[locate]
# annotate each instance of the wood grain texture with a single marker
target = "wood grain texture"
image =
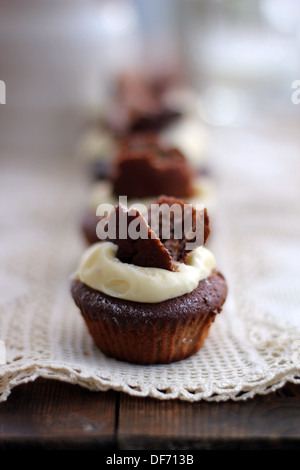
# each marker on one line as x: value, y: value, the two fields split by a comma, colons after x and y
x: 265, y: 422
x: 48, y: 415
x: 51, y: 415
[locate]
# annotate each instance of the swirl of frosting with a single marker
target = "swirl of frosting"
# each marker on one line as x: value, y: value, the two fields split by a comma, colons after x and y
x: 100, y: 269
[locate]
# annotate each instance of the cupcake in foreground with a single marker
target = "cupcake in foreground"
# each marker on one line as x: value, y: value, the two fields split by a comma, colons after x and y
x: 149, y: 289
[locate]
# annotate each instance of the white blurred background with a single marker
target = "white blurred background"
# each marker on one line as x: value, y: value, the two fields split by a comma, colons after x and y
x: 57, y: 57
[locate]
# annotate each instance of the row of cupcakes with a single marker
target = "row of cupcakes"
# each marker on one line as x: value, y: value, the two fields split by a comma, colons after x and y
x: 147, y: 298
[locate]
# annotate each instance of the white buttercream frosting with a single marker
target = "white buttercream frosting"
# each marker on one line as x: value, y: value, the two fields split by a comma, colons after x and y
x: 101, y: 270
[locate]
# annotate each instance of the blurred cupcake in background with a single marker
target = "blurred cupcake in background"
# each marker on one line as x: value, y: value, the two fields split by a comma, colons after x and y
x: 141, y: 103
x: 145, y: 167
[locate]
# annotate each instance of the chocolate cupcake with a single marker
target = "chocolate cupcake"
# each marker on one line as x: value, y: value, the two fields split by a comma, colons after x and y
x: 140, y: 102
x: 150, y: 299
x: 142, y: 169
x: 139, y: 105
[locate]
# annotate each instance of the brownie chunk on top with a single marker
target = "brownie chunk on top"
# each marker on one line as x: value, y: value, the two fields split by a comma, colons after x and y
x: 141, y: 241
x: 145, y: 168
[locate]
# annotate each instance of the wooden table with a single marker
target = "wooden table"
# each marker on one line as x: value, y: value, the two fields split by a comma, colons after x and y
x: 52, y: 415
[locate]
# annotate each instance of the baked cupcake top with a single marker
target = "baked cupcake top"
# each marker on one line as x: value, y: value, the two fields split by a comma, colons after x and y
x: 149, y: 257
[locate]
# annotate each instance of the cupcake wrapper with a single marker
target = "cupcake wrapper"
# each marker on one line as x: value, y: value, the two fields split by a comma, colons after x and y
x: 164, y: 342
x: 145, y: 333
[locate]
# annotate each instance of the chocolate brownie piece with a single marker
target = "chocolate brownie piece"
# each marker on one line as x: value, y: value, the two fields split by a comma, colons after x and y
x: 144, y: 168
x: 185, y: 220
x: 146, y: 250
x: 142, y: 244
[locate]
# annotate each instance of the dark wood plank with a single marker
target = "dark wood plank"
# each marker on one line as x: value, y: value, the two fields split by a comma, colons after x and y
x: 265, y: 422
x: 52, y: 415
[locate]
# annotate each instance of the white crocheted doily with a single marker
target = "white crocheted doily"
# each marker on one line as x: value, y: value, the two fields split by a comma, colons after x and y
x: 253, y: 346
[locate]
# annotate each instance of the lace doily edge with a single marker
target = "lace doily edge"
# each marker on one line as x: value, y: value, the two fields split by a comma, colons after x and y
x: 239, y: 392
